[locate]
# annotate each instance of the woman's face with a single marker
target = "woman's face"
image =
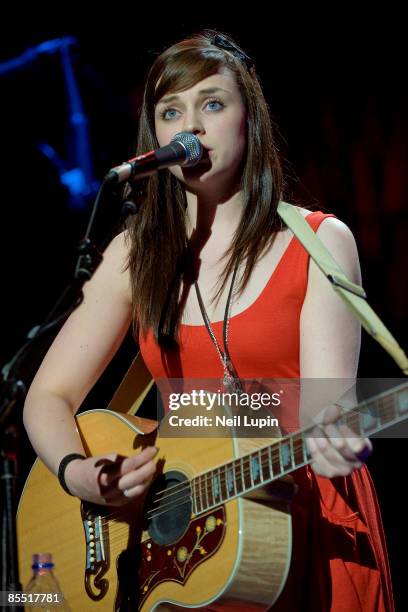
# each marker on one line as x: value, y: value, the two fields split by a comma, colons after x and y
x: 214, y: 111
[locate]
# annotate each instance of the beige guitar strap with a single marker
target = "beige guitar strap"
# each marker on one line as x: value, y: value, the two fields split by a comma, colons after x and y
x: 138, y: 381
x: 352, y: 294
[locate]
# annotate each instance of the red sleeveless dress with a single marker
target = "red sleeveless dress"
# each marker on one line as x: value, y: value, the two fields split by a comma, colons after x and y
x: 339, y: 558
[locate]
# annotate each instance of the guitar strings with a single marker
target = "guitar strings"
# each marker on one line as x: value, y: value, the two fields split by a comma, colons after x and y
x: 116, y: 535
x: 173, y: 507
x: 180, y: 487
x: 298, y: 436
x: 173, y: 499
x: 350, y: 418
x: 172, y: 493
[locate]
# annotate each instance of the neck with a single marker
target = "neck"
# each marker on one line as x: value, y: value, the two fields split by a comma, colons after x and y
x: 214, y: 213
x: 213, y: 217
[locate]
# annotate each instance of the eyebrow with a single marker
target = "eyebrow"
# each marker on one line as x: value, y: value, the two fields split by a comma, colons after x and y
x: 208, y: 90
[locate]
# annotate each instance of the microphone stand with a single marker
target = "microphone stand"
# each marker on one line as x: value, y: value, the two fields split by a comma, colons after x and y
x: 13, y: 388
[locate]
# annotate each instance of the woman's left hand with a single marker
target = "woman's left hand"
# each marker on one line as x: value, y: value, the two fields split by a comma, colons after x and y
x: 341, y: 451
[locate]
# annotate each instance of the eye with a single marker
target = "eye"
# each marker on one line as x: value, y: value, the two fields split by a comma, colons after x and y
x: 168, y: 113
x: 218, y: 103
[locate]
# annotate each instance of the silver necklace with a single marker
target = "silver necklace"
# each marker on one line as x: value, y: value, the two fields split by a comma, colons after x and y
x: 230, y: 380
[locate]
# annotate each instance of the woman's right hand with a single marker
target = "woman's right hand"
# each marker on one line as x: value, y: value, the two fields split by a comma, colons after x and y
x: 105, y: 479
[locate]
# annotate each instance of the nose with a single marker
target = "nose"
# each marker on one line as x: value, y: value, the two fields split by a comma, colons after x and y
x: 193, y: 123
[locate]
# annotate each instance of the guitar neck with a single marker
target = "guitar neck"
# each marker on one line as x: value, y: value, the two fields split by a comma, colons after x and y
x: 271, y: 462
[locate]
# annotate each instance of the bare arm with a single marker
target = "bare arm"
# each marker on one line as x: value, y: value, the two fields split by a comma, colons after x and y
x: 76, y: 359
x: 329, y: 349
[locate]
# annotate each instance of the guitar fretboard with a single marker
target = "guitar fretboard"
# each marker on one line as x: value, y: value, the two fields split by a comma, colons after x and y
x: 270, y: 463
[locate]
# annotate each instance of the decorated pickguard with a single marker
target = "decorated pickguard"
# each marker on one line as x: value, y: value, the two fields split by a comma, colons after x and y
x: 177, y: 561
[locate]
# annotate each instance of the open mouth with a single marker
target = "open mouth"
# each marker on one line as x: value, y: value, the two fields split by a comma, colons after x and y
x: 203, y: 164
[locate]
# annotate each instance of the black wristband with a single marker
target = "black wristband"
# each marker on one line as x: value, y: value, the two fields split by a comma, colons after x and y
x: 61, y: 470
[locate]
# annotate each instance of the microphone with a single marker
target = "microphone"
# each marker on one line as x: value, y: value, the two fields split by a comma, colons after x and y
x: 184, y: 149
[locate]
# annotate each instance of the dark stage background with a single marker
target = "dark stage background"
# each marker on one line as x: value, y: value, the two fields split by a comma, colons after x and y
x: 335, y: 86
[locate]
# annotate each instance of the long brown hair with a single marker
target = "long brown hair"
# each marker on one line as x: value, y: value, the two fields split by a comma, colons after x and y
x: 157, y: 234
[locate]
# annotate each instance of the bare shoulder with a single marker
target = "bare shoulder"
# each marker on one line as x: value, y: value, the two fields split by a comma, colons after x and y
x: 330, y: 226
x: 118, y: 249
x: 335, y: 235
x: 340, y: 241
x: 330, y: 334
x: 113, y: 272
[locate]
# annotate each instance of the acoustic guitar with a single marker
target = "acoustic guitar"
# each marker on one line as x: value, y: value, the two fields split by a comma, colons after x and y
x: 215, y: 525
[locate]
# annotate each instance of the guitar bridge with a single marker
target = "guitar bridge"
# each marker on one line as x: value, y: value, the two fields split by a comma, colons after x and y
x: 97, y: 551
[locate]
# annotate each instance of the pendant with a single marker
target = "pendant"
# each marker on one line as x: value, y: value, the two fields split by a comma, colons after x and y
x: 231, y: 382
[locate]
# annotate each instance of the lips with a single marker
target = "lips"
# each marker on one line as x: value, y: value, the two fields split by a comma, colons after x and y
x: 203, y: 165
x: 205, y: 155
x: 205, y: 158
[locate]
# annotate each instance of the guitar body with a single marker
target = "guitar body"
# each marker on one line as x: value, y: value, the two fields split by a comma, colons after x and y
x: 127, y: 558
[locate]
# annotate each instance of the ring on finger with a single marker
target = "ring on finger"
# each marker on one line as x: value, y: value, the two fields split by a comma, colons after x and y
x: 126, y: 493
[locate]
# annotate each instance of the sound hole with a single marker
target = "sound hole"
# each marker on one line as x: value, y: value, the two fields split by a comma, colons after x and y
x: 169, y: 508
